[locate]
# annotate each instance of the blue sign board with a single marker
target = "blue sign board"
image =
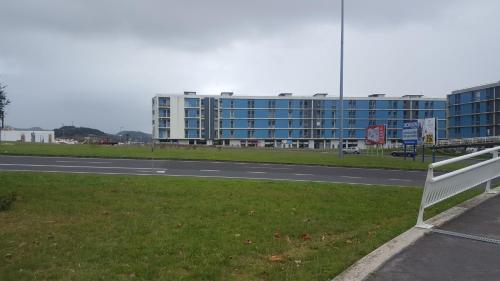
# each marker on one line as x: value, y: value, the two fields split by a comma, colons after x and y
x: 410, y: 133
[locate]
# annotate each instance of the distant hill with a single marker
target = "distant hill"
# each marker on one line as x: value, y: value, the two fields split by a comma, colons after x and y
x: 79, y: 133
x: 82, y: 133
x: 134, y: 136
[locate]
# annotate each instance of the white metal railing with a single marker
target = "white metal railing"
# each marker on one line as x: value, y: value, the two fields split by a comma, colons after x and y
x: 444, y: 186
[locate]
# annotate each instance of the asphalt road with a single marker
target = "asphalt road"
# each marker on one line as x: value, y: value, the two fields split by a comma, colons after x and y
x: 439, y: 256
x: 213, y: 169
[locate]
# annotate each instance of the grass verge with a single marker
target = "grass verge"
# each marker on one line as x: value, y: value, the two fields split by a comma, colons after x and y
x: 89, y: 227
x: 309, y: 157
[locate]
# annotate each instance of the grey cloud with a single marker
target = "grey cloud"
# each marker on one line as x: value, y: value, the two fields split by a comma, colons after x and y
x: 98, y: 63
x: 200, y: 24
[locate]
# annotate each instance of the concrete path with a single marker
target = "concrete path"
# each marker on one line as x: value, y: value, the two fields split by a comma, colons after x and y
x: 438, y: 256
x: 213, y: 169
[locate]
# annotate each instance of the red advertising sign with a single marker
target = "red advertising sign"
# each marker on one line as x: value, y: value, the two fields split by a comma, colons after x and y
x: 375, y: 134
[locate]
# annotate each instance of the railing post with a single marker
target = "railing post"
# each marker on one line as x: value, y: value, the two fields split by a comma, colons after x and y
x: 420, y: 219
x: 488, y: 183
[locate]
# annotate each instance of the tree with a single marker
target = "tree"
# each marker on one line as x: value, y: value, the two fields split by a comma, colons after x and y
x: 4, y: 101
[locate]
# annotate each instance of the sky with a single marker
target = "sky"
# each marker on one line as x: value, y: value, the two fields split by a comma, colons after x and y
x: 98, y: 63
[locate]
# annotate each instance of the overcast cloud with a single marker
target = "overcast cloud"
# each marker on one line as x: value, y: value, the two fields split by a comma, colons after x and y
x: 98, y: 63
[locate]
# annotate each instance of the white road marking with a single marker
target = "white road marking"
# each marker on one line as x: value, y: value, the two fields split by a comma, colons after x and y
x: 161, y: 172
x: 67, y: 166
x: 209, y: 170
x: 268, y: 168
x: 253, y: 172
x: 303, y: 174
x: 86, y: 162
x: 195, y: 176
x: 350, y: 177
x: 400, y: 180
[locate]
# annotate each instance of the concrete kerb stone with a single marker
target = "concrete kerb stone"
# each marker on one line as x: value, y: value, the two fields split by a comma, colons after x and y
x: 362, y: 269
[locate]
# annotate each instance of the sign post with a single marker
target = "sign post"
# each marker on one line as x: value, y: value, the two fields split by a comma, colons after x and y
x: 376, y: 135
x: 428, y: 133
x: 410, y: 135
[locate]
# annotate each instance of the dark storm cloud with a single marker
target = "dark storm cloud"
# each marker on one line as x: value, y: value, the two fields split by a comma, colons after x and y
x: 98, y: 63
x: 201, y: 24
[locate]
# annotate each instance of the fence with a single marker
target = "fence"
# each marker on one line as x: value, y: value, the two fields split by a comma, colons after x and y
x: 444, y: 186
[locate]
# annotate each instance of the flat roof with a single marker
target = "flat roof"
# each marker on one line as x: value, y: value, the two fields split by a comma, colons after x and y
x: 311, y: 97
x: 476, y: 88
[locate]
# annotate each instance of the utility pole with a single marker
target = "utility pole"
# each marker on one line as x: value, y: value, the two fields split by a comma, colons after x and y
x: 341, y: 118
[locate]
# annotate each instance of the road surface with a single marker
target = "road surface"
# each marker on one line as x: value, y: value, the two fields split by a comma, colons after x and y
x: 213, y: 169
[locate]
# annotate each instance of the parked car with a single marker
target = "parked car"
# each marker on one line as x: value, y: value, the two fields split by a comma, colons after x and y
x: 402, y: 154
x: 351, y: 150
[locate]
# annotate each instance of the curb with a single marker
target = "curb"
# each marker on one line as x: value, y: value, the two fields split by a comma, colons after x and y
x: 364, y: 267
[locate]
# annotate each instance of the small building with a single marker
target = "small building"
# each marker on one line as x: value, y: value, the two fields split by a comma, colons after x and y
x: 27, y: 136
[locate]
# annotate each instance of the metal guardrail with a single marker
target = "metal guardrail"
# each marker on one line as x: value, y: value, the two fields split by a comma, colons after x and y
x: 444, y: 186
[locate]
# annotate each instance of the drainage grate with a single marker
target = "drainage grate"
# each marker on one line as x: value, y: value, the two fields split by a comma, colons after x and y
x: 466, y: 236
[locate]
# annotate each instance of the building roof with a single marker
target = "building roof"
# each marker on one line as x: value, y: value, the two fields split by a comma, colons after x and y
x: 477, y: 88
x: 321, y: 96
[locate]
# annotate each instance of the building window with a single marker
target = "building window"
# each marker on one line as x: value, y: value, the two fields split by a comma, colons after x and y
x: 270, y: 133
x: 372, y: 104
x: 271, y: 123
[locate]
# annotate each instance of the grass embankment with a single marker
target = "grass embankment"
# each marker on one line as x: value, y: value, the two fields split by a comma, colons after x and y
x: 76, y: 227
x: 310, y: 157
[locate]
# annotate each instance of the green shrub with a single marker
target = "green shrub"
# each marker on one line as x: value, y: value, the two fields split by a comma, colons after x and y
x: 6, y: 201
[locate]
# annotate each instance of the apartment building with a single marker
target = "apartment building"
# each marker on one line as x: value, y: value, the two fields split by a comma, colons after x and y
x: 286, y: 120
x: 474, y: 112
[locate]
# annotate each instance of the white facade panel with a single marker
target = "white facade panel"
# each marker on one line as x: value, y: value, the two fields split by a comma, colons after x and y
x: 177, y: 113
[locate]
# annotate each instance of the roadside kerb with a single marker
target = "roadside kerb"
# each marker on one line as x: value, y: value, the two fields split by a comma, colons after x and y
x: 363, y: 268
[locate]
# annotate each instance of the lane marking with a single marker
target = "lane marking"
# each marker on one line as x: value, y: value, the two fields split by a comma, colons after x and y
x: 350, y: 177
x: 253, y: 172
x: 269, y: 168
x: 304, y: 174
x: 231, y: 162
x: 67, y: 166
x: 87, y: 162
x: 161, y: 172
x: 209, y: 170
x: 400, y: 180
x: 204, y: 176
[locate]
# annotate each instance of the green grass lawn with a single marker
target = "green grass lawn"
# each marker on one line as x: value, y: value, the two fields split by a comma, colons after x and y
x: 89, y: 227
x: 313, y: 157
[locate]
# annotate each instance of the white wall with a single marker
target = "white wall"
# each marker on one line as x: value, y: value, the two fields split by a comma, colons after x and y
x: 39, y: 136
x: 177, y: 117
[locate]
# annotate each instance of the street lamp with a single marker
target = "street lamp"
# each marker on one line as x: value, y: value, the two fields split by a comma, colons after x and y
x: 341, y: 137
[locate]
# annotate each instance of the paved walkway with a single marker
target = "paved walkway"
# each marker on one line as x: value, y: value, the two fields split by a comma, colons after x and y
x: 443, y: 257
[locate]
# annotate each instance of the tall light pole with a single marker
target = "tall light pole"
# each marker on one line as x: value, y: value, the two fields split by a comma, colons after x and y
x: 341, y: 118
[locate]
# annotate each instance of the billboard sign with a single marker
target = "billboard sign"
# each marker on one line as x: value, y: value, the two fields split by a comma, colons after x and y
x: 427, y: 130
x: 375, y: 134
x: 410, y: 133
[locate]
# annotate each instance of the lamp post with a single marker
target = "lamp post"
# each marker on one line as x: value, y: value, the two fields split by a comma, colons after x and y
x: 341, y: 118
